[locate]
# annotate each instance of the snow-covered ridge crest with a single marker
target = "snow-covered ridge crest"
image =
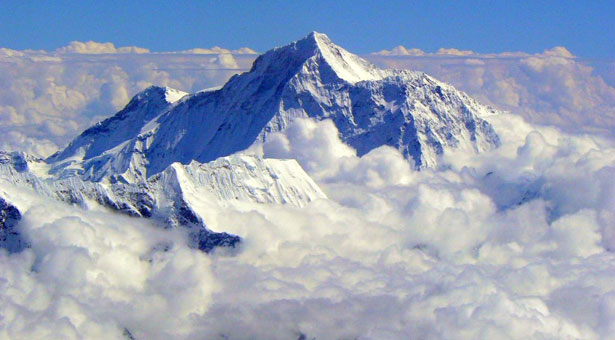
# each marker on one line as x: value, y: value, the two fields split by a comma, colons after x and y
x: 317, y: 51
x: 239, y: 178
x: 173, y: 95
x: 121, y: 127
x: 179, y: 196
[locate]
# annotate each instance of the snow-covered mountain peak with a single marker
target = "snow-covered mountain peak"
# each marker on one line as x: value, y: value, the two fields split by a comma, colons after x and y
x: 158, y: 93
x: 317, y: 52
x: 173, y: 95
x: 346, y: 65
x: 124, y: 125
x: 158, y: 154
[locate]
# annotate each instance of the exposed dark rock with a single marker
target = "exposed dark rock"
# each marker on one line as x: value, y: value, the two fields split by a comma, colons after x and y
x: 128, y: 335
x: 10, y: 239
x: 208, y: 240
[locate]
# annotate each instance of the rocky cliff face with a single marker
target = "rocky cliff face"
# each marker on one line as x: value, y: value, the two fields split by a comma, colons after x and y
x: 10, y: 238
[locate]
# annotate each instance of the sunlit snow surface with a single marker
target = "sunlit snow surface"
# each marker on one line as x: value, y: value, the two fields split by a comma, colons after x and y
x: 511, y: 243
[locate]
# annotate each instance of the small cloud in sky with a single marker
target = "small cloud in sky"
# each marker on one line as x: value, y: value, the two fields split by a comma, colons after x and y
x: 454, y: 52
x: 92, y: 47
x: 219, y: 50
x: 401, y: 50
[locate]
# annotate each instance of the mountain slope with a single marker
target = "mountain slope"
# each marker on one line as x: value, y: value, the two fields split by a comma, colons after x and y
x: 311, y: 77
x: 226, y: 181
x: 123, y: 126
x: 96, y: 148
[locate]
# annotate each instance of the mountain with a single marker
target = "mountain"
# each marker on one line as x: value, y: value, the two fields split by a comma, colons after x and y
x: 171, y: 156
x: 311, y: 77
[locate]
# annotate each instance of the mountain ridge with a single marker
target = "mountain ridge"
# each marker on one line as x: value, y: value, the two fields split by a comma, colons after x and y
x: 169, y: 155
x: 176, y: 197
x: 140, y: 110
x: 314, y: 78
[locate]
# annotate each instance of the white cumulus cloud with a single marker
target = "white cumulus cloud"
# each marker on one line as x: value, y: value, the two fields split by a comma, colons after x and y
x: 93, y: 47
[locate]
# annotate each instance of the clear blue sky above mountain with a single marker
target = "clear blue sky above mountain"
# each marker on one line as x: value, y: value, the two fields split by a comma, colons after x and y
x: 584, y: 27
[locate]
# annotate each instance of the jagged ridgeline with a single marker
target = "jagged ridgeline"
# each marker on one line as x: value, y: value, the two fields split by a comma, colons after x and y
x: 165, y: 141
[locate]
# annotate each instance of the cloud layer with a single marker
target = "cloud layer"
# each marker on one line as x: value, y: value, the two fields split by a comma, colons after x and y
x: 498, y: 246
x: 513, y: 244
x: 94, y: 274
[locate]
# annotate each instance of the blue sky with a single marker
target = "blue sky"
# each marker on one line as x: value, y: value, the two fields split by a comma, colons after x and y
x: 584, y: 27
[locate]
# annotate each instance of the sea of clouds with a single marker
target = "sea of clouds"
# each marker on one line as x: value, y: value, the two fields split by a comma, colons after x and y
x: 516, y: 243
